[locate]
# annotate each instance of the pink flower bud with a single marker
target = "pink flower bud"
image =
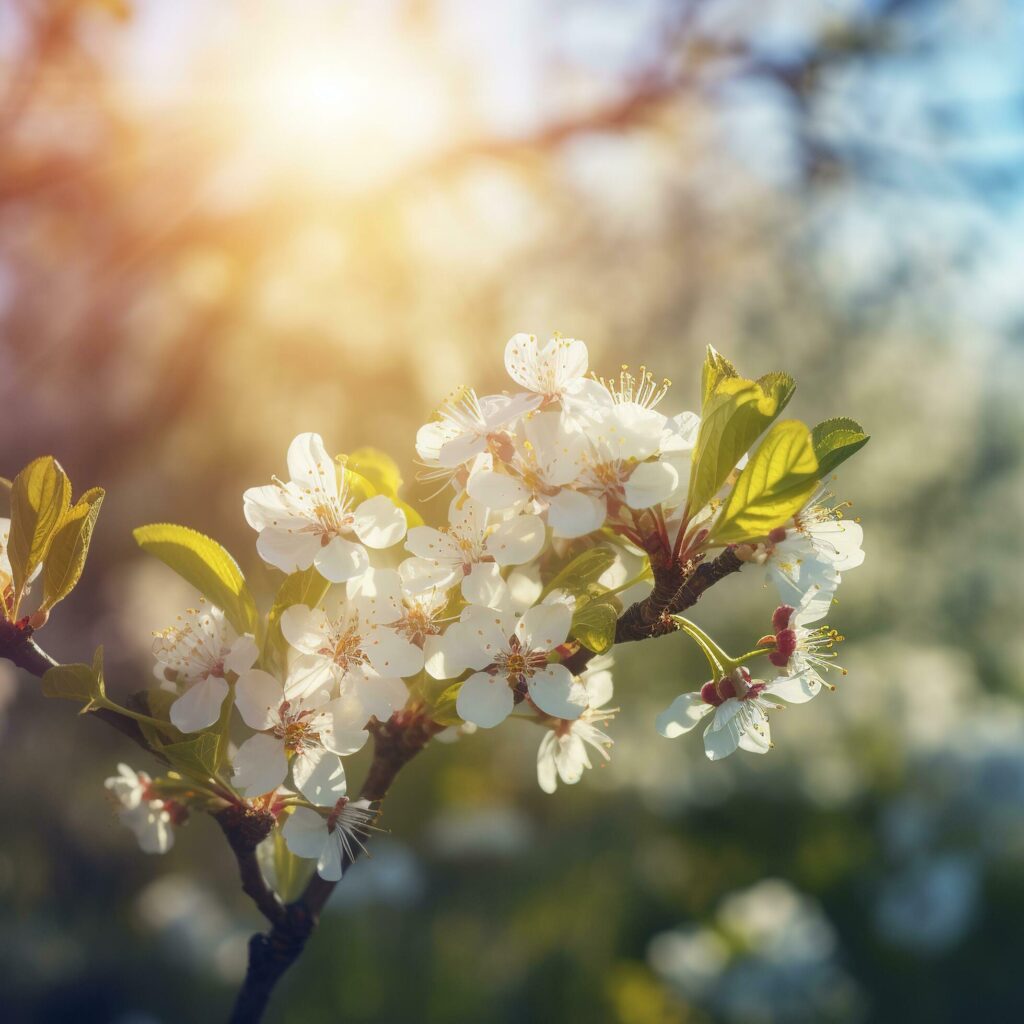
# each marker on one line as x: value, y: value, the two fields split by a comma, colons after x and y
x: 781, y: 617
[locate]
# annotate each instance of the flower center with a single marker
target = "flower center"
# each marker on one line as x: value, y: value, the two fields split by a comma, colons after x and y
x: 345, y: 648
x: 296, y: 730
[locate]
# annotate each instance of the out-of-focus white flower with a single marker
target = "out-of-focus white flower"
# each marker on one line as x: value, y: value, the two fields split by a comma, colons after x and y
x: 332, y: 840
x: 451, y: 555
x: 143, y: 810
x: 200, y: 651
x: 310, y: 519
x: 563, y: 750
x: 738, y: 706
x: 310, y: 729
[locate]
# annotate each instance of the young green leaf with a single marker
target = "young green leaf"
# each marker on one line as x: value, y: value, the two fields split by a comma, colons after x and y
x: 777, y: 482
x: 40, y: 497
x: 378, y: 467
x: 733, y: 419
x: 835, y: 441
x: 594, y: 625
x: 442, y: 707
x: 206, y: 565
x: 196, y: 757
x: 583, y: 571
x: 716, y: 369
x: 69, y: 547
x: 71, y: 682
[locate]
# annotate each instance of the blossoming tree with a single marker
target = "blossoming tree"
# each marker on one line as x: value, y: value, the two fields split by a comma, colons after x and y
x: 581, y: 517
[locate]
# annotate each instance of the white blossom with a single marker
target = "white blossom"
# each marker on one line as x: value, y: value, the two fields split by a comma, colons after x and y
x: 563, y: 750
x: 509, y: 656
x: 199, y: 653
x: 555, y: 373
x: 355, y: 641
x: 147, y: 814
x: 309, y: 729
x: 469, y: 541
x: 738, y: 707
x: 539, y: 475
x: 332, y: 840
x: 465, y: 426
x: 312, y: 518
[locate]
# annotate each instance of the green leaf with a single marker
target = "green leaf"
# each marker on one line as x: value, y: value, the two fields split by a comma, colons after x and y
x: 83, y: 683
x: 40, y: 496
x: 733, y: 418
x: 206, y: 565
x: 378, y: 467
x: 594, y: 625
x: 716, y: 369
x: 442, y: 710
x: 155, y: 704
x: 196, y: 757
x: 69, y: 548
x: 582, y: 572
x: 835, y: 441
x: 71, y: 682
x: 777, y: 482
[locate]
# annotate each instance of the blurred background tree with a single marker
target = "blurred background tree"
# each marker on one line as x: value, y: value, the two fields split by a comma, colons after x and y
x: 224, y: 224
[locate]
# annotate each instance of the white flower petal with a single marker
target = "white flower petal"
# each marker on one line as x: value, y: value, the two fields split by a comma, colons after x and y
x: 340, y: 560
x: 544, y: 626
x: 258, y: 696
x: 393, y: 655
x: 260, y: 765
x: 547, y: 772
x: 682, y: 715
x: 517, y: 540
x: 309, y: 463
x: 304, y: 628
x: 379, y: 522
x: 484, y: 700
x: 199, y: 706
x: 556, y: 691
x: 243, y: 654
x: 484, y: 585
x: 287, y: 549
x: 649, y: 484
x: 305, y: 833
x: 572, y: 514
x: 319, y: 776
x: 382, y: 697
x: 496, y: 490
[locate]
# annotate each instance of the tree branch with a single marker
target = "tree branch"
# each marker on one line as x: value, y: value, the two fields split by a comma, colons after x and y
x: 17, y: 645
x: 676, y: 588
x: 396, y: 743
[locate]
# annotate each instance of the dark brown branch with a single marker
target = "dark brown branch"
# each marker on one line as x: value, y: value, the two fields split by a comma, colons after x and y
x: 17, y: 645
x: 396, y: 742
x: 245, y: 828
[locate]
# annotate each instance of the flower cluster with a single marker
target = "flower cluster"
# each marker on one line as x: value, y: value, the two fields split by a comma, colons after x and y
x: 579, y: 514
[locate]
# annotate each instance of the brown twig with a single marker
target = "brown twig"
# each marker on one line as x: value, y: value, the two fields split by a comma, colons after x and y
x: 396, y: 742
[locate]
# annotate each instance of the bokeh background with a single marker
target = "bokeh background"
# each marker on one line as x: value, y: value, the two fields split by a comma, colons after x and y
x: 221, y: 224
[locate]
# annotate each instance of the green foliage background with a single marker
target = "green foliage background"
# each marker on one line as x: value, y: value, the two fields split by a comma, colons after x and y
x: 837, y: 195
